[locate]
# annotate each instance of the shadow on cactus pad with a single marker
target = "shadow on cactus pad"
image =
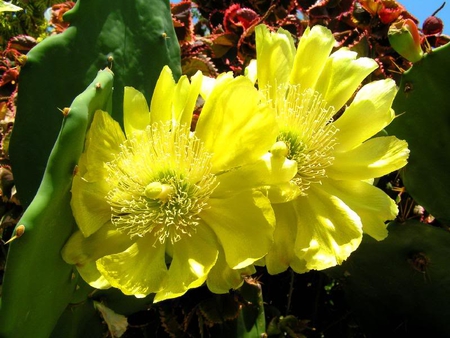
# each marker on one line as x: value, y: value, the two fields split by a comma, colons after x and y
x: 399, y: 287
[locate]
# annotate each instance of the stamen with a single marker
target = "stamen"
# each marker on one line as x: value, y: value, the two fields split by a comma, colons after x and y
x: 163, y: 182
x: 305, y: 122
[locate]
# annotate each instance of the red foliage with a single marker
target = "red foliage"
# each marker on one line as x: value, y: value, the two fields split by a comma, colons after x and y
x: 56, y: 20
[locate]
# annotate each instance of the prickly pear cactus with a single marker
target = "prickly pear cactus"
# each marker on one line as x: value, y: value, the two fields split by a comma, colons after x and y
x: 400, y: 286
x: 38, y: 284
x: 424, y: 106
x: 133, y: 37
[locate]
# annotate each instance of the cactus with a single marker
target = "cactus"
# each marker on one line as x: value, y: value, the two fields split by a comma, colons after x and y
x: 38, y: 284
x: 400, y: 285
x: 423, y: 105
x: 135, y: 38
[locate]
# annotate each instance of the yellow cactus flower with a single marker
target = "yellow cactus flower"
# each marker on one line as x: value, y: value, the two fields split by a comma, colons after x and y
x: 162, y: 209
x: 337, y: 153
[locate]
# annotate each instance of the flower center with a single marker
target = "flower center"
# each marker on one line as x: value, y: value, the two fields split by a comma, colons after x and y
x: 162, y: 182
x: 305, y: 122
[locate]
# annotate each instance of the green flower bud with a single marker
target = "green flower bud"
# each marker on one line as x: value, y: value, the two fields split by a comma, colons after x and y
x: 404, y: 38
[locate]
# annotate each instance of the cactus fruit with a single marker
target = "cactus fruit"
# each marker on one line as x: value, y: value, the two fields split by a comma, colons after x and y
x: 38, y: 284
x: 135, y: 38
x: 422, y: 101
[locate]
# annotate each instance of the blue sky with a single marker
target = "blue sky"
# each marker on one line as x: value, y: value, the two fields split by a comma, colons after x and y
x: 422, y: 9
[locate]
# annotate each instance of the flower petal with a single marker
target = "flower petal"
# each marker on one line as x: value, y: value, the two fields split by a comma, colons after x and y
x: 103, y: 142
x: 369, y: 113
x: 89, y: 206
x: 281, y: 254
x: 184, y: 105
x: 193, y: 258
x: 136, y: 115
x: 275, y: 56
x: 163, y: 96
x: 341, y: 76
x: 243, y: 224
x: 328, y: 231
x: 312, y: 53
x: 92, y: 276
x: 221, y: 278
x: 374, y: 158
x: 81, y: 250
x: 251, y: 71
x: 139, y: 270
x: 269, y: 170
x: 234, y: 125
x: 371, y: 204
x: 209, y: 83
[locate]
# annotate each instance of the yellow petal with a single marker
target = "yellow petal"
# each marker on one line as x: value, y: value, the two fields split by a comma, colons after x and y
x: 193, y: 258
x: 184, y: 111
x: 341, y: 76
x: 269, y: 170
x: 222, y: 279
x: 81, y: 250
x: 89, y: 206
x: 163, y: 96
x: 371, y: 204
x: 243, y: 224
x: 209, y: 83
x: 369, y: 113
x: 251, y: 71
x: 235, y: 126
x: 312, y: 53
x: 92, y: 276
x: 282, y: 253
x: 103, y: 142
x: 328, y: 231
x: 136, y: 115
x: 374, y: 158
x: 275, y: 56
x: 139, y: 270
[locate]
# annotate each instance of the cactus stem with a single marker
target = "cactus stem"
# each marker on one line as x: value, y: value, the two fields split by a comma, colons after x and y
x: 98, y: 86
x: 19, y: 232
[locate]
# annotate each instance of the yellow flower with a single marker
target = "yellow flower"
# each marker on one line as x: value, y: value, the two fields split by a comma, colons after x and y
x: 162, y: 209
x: 337, y: 155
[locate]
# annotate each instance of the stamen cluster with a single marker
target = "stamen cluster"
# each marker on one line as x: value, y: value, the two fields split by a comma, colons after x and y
x: 163, y: 181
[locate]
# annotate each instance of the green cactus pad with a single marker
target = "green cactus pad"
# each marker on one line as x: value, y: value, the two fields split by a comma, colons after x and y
x: 424, y: 122
x: 137, y: 34
x: 399, y: 287
x: 38, y: 284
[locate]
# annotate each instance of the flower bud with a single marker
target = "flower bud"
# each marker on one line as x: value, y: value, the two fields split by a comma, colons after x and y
x: 404, y: 38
